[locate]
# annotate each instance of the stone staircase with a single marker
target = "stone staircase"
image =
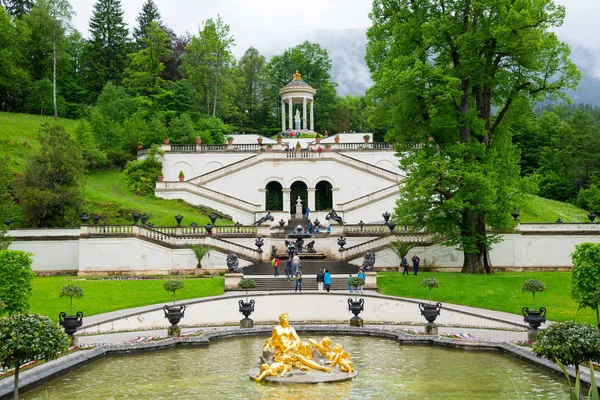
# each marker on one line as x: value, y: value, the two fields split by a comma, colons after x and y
x: 309, y: 267
x: 270, y: 284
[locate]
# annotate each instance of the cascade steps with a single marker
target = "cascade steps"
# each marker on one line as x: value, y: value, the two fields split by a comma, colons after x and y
x: 270, y: 284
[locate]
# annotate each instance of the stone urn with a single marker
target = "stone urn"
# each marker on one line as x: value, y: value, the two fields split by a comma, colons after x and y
x: 174, y: 315
x: 70, y: 322
x: 430, y: 312
x: 534, y: 318
x: 355, y: 307
x: 341, y: 242
x: 246, y: 308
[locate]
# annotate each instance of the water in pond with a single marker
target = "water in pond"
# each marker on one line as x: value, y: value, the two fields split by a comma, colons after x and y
x: 386, y: 370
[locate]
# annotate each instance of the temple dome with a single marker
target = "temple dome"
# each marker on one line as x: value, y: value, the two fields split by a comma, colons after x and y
x: 297, y: 83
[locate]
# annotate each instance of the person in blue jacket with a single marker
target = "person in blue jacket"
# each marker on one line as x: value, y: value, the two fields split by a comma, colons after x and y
x: 327, y: 280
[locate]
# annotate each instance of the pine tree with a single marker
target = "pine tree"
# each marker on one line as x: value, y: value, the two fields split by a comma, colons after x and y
x: 109, y: 45
x: 17, y: 8
x: 148, y: 15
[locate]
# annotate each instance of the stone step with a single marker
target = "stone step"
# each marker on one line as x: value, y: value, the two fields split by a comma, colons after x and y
x: 280, y: 283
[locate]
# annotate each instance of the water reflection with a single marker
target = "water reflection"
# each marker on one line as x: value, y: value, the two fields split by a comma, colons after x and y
x: 385, y: 370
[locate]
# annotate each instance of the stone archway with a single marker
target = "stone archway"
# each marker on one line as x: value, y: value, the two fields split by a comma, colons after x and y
x: 274, y: 196
x: 298, y: 188
x: 323, y: 196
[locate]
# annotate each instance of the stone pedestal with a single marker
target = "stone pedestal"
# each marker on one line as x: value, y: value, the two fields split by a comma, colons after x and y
x: 431, y: 328
x: 246, y: 323
x: 232, y: 279
x: 370, y: 280
x: 356, y: 321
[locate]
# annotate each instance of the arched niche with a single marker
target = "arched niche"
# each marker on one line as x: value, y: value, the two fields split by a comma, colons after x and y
x: 274, y: 196
x: 323, y: 196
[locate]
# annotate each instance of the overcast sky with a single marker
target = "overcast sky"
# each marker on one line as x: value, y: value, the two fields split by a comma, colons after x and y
x: 277, y: 24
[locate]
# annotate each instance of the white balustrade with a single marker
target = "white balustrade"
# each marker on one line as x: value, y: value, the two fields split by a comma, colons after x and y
x: 369, y: 198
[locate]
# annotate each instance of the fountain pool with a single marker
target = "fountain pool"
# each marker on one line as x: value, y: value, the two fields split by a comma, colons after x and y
x: 385, y: 368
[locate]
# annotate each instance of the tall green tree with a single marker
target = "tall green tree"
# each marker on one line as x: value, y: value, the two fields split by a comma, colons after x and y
x: 16, y: 280
x: 13, y: 77
x: 451, y: 73
x: 109, y: 45
x: 143, y: 76
x: 252, y: 90
x: 51, y: 190
x: 313, y: 63
x: 207, y: 60
x: 17, y: 8
x: 60, y: 13
x: 148, y: 15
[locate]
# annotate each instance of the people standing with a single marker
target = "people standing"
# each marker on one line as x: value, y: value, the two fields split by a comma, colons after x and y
x: 404, y: 265
x: 299, y: 280
x: 275, y: 264
x: 310, y: 226
x: 320, y: 276
x: 349, y: 285
x: 288, y: 269
x: 327, y: 280
x: 307, y: 212
x: 361, y: 275
x: 416, y: 260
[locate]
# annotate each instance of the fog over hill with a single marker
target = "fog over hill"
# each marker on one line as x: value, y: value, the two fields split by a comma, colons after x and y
x: 347, y: 50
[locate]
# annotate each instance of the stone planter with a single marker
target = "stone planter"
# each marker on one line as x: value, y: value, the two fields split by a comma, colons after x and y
x: 430, y: 312
x: 161, y: 178
x: 181, y: 178
x: 174, y: 315
x: 166, y: 140
x: 534, y: 318
x: 337, y: 139
x: 246, y: 309
x: 70, y: 322
x: 198, y: 140
x: 355, y: 307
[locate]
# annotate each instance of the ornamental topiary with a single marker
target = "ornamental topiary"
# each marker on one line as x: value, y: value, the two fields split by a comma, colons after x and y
x: 533, y: 286
x: 430, y: 283
x: 246, y: 284
x: 585, y: 276
x: 173, y: 285
x: 71, y: 291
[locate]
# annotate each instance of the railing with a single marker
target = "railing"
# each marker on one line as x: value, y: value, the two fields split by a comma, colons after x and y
x: 361, y: 249
x: 246, y: 147
x: 366, y: 229
x: 233, y: 247
x: 213, y: 147
x: 368, y: 167
x: 369, y: 198
x: 183, y: 147
x: 110, y: 229
x: 202, y: 191
x: 143, y: 151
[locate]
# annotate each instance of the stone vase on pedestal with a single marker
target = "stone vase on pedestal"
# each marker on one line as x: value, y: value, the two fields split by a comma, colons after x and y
x: 534, y: 318
x: 246, y: 308
x: 430, y: 312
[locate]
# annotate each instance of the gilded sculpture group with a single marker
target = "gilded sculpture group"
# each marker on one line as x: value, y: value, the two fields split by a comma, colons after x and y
x: 289, y: 351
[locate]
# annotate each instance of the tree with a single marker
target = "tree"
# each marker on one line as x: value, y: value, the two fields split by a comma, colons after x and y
x: 401, y: 249
x: 143, y: 76
x: 148, y: 15
x: 109, y: 45
x: 60, y: 13
x: 71, y: 291
x: 141, y: 175
x: 173, y: 285
x: 17, y: 8
x: 452, y: 74
x: 585, y: 276
x: 207, y: 59
x: 51, y: 190
x: 25, y: 338
x: 200, y: 251
x: 13, y: 77
x: 252, y: 91
x: 6, y: 182
x: 16, y: 279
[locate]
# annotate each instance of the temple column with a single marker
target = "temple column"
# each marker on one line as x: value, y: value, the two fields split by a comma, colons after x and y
x: 286, y: 199
x: 291, y: 124
x: 311, y: 199
x: 304, y: 113
x: 282, y: 115
x: 312, y: 116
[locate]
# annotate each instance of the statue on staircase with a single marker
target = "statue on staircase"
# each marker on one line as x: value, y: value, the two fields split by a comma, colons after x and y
x: 334, y: 216
x: 369, y: 261
x: 233, y: 264
x: 299, y: 245
x: 267, y: 217
x: 310, y: 247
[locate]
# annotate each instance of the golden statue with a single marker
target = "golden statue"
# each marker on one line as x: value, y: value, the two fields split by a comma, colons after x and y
x: 289, y: 351
x: 324, y: 347
x: 342, y: 359
x: 297, y: 76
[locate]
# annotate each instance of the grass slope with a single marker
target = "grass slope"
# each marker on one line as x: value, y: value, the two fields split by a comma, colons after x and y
x: 20, y: 135
x: 106, y: 194
x: 539, y: 209
x: 500, y: 291
x: 101, y: 296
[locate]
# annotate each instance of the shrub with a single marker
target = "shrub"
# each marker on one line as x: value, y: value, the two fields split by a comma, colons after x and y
x: 71, y: 291
x: 173, y: 285
x: 200, y: 251
x: 585, y: 276
x: 430, y: 283
x: 247, y: 284
x: 16, y: 279
x: 141, y: 175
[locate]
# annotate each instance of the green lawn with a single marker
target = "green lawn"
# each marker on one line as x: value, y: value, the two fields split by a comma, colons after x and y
x: 106, y: 194
x: 101, y: 296
x: 500, y: 291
